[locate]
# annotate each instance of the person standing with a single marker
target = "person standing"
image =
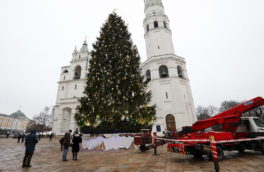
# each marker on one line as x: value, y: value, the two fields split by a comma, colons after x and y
x: 61, y: 142
x: 75, y: 147
x: 23, y: 137
x: 39, y: 136
x: 66, y: 144
x: 7, y: 134
x: 18, y: 137
x: 51, y: 135
x: 30, y: 143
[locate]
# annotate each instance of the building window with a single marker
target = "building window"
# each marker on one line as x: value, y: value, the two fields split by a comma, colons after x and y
x: 77, y: 74
x: 166, y: 95
x: 165, y: 25
x: 147, y: 28
x: 148, y: 75
x: 75, y: 87
x: 158, y: 47
x: 62, y: 88
x: 156, y: 25
x: 66, y: 71
x: 180, y: 73
x: 170, y: 122
x: 163, y: 71
x: 79, y: 56
x: 64, y: 78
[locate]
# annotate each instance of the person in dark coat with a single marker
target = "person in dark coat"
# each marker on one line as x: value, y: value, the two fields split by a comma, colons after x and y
x: 7, y: 134
x: 61, y: 142
x: 51, y: 135
x: 39, y: 136
x: 23, y: 137
x: 75, y: 147
x: 18, y: 138
x: 30, y: 143
x: 66, y: 144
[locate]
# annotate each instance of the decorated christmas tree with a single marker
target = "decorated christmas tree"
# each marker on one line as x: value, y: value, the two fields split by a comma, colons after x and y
x: 115, y: 90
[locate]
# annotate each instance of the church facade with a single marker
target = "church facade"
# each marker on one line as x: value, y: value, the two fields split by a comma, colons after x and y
x: 70, y: 87
x: 167, y: 72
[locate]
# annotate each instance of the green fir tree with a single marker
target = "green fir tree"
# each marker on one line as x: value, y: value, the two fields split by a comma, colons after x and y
x: 115, y: 91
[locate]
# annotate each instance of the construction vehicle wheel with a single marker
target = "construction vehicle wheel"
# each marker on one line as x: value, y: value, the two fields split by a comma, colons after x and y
x: 262, y: 147
x: 198, y: 154
x: 241, y: 150
x: 220, y: 153
x: 142, y: 148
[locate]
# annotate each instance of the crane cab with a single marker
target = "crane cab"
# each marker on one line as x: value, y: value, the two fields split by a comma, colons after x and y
x: 250, y: 124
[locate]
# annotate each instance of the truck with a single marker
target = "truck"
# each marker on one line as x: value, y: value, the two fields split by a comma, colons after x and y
x: 228, y: 129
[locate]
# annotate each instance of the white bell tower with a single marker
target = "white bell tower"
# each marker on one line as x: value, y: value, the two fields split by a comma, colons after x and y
x: 157, y: 30
x: 167, y: 72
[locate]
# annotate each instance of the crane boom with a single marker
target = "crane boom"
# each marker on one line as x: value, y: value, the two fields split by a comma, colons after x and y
x: 229, y: 119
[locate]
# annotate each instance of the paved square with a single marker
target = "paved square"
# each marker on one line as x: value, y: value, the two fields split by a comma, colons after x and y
x: 48, y: 157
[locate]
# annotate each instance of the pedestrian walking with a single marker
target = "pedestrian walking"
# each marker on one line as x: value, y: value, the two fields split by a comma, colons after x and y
x: 39, y: 136
x: 66, y: 144
x: 61, y: 142
x: 18, y: 137
x: 23, y: 137
x: 51, y: 135
x: 76, y: 147
x: 7, y: 134
x: 30, y: 143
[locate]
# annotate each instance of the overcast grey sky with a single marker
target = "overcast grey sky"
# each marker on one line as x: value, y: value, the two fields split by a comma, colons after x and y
x: 221, y: 40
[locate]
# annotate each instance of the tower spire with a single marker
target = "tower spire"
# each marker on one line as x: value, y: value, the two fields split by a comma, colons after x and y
x: 84, y: 47
x: 157, y: 29
x: 149, y: 3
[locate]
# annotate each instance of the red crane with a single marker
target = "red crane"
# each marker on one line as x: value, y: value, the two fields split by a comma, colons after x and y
x: 192, y: 139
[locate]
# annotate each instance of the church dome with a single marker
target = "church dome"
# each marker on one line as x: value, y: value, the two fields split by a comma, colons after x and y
x: 18, y: 114
x: 84, y: 47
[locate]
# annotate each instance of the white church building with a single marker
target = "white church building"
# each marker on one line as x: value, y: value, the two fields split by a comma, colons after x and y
x: 167, y: 72
x: 71, y: 87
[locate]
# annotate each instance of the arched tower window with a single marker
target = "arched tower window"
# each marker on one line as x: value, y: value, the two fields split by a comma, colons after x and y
x: 156, y: 24
x: 148, y: 75
x: 165, y: 25
x: 147, y: 28
x: 77, y: 73
x: 66, y: 71
x: 62, y: 88
x: 163, y: 71
x: 180, y: 73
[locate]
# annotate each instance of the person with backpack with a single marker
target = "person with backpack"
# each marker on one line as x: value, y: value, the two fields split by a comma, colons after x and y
x: 66, y: 144
x: 30, y: 143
